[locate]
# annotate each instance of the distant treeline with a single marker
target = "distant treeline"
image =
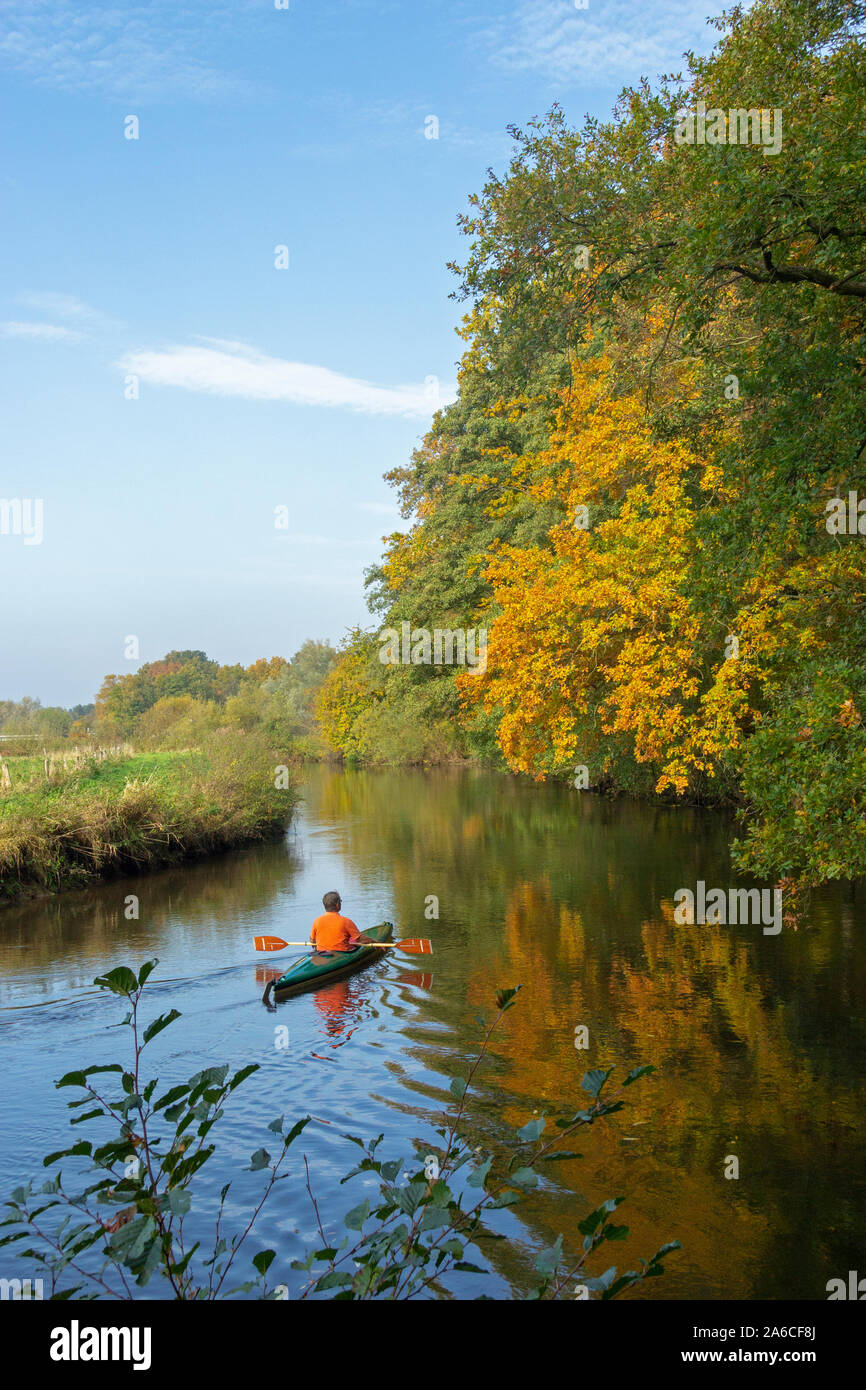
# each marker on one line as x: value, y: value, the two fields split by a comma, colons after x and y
x: 178, y: 701
x: 30, y: 721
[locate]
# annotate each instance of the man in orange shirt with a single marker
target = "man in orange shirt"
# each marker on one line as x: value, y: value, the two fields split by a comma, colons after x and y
x: 331, y: 932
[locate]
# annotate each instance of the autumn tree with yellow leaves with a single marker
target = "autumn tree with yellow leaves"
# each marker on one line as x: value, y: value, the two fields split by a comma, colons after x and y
x: 659, y: 411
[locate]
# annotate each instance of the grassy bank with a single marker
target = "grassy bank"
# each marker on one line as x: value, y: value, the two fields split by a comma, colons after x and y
x: 127, y: 813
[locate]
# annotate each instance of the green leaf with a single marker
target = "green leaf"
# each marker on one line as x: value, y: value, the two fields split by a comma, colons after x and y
x: 457, y: 1087
x: 638, y: 1071
x: 151, y: 1260
x: 211, y: 1076
x: 524, y: 1177
x: 259, y: 1160
x: 148, y: 967
x: 180, y: 1267
x: 595, y: 1218
x: 433, y: 1218
x: 73, y: 1078
x: 170, y: 1097
x: 603, y: 1281
x: 83, y: 1149
x: 478, y: 1176
x: 505, y: 997
x: 263, y: 1260
x: 594, y: 1080
x: 616, y: 1232
x: 355, y: 1219
x: 504, y: 1199
x: 410, y: 1197
x: 334, y: 1280
x: 119, y: 981
x: 296, y: 1130
x: 241, y: 1076
x: 549, y: 1259
x: 665, y: 1250
x: 532, y: 1130
x: 179, y: 1201
x: 159, y: 1023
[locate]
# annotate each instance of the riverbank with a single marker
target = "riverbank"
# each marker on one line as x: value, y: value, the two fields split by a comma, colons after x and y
x: 127, y: 813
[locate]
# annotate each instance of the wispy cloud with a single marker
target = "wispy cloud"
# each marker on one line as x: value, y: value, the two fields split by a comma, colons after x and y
x: 47, y: 332
x: 64, y: 306
x: 154, y: 49
x: 235, y: 369
x: 81, y: 319
x: 621, y: 39
x: 399, y: 125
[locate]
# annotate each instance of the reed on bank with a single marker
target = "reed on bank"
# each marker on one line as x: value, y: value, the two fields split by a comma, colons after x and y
x: 125, y: 814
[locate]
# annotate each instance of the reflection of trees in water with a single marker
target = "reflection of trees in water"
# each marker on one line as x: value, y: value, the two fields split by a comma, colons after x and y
x: 756, y: 1049
x: 207, y: 896
x: 738, y: 1072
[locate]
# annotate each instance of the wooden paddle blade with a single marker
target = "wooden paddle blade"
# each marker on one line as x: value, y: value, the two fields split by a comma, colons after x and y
x: 415, y: 946
x: 270, y: 943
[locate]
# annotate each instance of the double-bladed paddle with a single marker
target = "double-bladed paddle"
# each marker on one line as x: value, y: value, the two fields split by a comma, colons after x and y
x: 413, y: 945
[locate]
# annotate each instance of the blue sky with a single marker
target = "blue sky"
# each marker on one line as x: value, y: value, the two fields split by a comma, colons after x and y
x: 259, y: 387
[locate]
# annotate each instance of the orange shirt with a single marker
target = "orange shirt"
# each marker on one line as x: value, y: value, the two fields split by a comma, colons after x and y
x: 331, y: 932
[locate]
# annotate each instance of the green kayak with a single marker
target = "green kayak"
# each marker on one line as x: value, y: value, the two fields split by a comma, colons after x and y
x: 309, y: 972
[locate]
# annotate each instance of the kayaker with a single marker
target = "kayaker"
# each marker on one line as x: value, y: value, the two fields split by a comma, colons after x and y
x: 333, y: 932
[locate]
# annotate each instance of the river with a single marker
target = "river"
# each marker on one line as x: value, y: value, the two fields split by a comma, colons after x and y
x: 758, y: 1040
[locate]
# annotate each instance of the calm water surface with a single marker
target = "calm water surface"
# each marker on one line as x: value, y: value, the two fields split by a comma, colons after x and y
x: 759, y: 1041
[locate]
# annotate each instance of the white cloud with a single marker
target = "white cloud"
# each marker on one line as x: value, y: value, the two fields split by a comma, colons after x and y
x: 130, y: 52
x: 234, y: 369
x: 64, y: 306
x: 618, y: 39
x: 47, y: 332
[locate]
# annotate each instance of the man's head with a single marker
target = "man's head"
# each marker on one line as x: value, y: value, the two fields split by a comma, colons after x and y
x: 331, y: 902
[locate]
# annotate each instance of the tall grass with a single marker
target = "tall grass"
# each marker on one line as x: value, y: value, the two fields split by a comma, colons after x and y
x: 117, y: 815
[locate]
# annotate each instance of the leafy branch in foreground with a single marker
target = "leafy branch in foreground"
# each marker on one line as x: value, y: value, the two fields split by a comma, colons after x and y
x: 421, y: 1231
x: 126, y: 1224
x: 144, y: 1173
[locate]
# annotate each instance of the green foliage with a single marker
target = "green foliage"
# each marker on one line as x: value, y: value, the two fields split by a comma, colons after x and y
x: 421, y: 1230
x: 118, y: 1222
x: 724, y: 285
x: 805, y: 777
x: 124, y: 1226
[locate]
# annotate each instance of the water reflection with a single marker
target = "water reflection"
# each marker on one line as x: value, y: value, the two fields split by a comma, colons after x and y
x: 757, y: 1040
